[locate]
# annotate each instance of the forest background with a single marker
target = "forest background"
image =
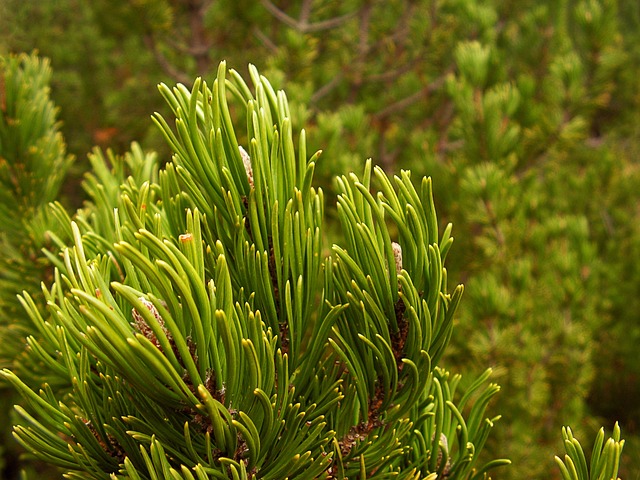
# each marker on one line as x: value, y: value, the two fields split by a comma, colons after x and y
x: 526, y: 114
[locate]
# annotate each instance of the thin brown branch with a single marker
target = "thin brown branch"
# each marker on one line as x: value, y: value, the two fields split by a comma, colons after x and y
x: 359, y: 63
x: 391, y: 75
x: 192, y: 50
x: 363, y: 43
x: 365, y: 48
x: 164, y: 63
x: 265, y: 40
x: 328, y: 24
x: 399, y: 35
x: 406, y: 102
x: 402, y: 31
x: 199, y: 41
x: 305, y: 12
x: 401, y: 104
x: 302, y: 25
x: 279, y: 14
x: 327, y: 88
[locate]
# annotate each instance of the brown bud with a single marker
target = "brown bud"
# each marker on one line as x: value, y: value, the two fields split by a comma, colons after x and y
x: 246, y: 160
x: 142, y: 324
x: 397, y: 255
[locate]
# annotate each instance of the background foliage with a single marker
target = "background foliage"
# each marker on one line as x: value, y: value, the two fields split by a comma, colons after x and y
x: 33, y: 165
x: 524, y: 113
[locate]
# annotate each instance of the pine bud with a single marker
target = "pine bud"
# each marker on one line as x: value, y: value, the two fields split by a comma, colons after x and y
x: 447, y: 468
x: 143, y: 326
x: 397, y: 255
x: 246, y: 160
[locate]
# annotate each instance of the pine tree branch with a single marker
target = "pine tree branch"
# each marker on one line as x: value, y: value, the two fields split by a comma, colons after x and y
x: 199, y: 40
x: 198, y: 45
x: 187, y: 49
x: 391, y: 75
x: 164, y: 62
x: 406, y: 102
x: 265, y: 40
x: 364, y: 18
x: 302, y: 25
x: 224, y: 345
x: 364, y: 49
x: 327, y: 88
x: 305, y: 12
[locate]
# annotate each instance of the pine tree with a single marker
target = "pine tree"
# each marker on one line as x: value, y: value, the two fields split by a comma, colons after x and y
x: 522, y: 112
x: 196, y: 328
x: 148, y: 370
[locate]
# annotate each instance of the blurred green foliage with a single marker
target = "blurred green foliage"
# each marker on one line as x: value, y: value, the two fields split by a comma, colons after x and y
x: 33, y: 165
x: 525, y: 113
